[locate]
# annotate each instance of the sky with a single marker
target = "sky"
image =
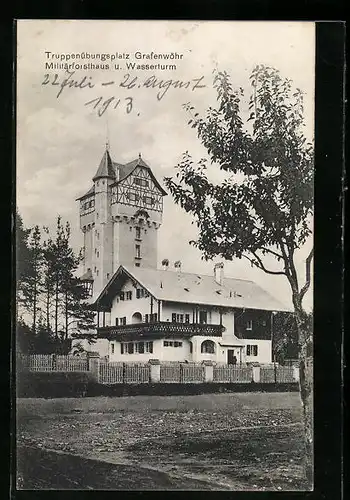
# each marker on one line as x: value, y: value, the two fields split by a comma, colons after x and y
x: 61, y: 137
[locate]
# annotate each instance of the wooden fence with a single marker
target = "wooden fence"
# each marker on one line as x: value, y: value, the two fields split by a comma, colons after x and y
x: 276, y: 374
x: 143, y: 373
x: 230, y: 373
x: 53, y: 363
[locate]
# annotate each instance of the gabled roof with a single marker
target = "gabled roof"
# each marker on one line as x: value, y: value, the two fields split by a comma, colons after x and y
x: 105, y: 168
x: 89, y: 193
x: 119, y: 172
x: 128, y: 168
x: 192, y: 288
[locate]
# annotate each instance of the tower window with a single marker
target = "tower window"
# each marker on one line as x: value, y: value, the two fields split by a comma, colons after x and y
x: 141, y: 182
x: 138, y: 233
x: 249, y: 325
x: 98, y: 254
x: 138, y: 251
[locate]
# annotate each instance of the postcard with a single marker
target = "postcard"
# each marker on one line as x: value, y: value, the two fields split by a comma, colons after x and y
x: 164, y: 237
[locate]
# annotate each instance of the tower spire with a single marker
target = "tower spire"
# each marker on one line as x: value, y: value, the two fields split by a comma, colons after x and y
x: 107, y: 133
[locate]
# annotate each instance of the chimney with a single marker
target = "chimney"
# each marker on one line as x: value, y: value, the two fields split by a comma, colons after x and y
x: 177, y: 265
x: 219, y: 273
x: 165, y: 264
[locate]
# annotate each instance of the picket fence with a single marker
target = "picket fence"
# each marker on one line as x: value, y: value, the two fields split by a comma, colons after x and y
x: 182, y: 373
x: 230, y: 373
x: 53, y: 363
x: 140, y: 373
x: 276, y: 374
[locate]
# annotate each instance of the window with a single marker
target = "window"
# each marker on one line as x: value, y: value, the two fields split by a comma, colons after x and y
x: 141, y: 347
x: 138, y: 251
x: 173, y: 317
x: 97, y: 272
x: 128, y: 295
x: 177, y: 344
x: 187, y: 318
x: 98, y: 254
x: 123, y: 321
x: 153, y: 318
x: 121, y: 295
x: 252, y: 350
x: 167, y: 343
x: 116, y: 321
x: 149, y: 347
x: 249, y: 325
x: 203, y: 317
x: 138, y: 233
x: 140, y: 293
x: 112, y: 348
x: 141, y: 182
x: 122, y: 350
x: 148, y: 200
x: 179, y: 318
x: 132, y: 196
x: 130, y: 348
x: 191, y: 347
x: 146, y: 318
x: 107, y: 276
x: 208, y: 347
x: 137, y: 264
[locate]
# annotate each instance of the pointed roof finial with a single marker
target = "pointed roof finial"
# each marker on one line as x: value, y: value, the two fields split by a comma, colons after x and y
x: 107, y: 133
x: 139, y: 156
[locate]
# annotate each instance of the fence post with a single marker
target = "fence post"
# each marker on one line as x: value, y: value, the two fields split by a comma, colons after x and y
x: 208, y: 370
x: 94, y: 365
x: 154, y: 372
x: 124, y: 373
x: 296, y: 373
x: 256, y: 374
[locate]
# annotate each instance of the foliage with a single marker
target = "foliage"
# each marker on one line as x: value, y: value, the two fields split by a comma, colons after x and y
x: 53, y: 297
x: 263, y: 208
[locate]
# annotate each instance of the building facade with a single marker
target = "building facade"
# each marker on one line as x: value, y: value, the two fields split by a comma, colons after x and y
x: 120, y: 216
x: 143, y: 312
x: 175, y: 316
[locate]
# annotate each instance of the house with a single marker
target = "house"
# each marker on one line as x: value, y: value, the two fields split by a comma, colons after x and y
x: 144, y: 312
x: 175, y: 316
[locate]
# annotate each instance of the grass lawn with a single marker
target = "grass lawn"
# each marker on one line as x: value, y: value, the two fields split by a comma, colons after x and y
x: 225, y: 441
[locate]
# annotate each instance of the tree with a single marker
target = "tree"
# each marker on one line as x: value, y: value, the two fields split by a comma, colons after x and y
x: 65, y: 293
x: 262, y: 210
x: 25, y: 270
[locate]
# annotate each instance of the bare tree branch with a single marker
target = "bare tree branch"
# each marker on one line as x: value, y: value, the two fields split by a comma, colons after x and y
x: 308, y: 275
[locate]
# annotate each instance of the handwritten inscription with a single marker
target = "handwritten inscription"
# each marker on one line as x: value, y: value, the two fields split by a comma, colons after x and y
x: 101, y: 105
x: 130, y: 82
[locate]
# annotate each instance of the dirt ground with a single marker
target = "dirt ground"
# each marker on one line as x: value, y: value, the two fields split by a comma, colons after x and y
x: 225, y: 441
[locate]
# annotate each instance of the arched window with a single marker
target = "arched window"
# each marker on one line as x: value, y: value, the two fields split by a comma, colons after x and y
x: 136, y: 318
x: 208, y: 347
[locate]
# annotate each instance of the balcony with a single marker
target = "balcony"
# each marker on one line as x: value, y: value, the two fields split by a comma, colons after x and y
x: 158, y: 330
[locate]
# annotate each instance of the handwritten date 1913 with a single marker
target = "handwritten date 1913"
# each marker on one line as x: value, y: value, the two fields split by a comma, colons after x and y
x: 101, y: 105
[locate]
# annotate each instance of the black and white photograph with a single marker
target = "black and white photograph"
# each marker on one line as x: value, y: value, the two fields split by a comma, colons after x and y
x: 164, y: 255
